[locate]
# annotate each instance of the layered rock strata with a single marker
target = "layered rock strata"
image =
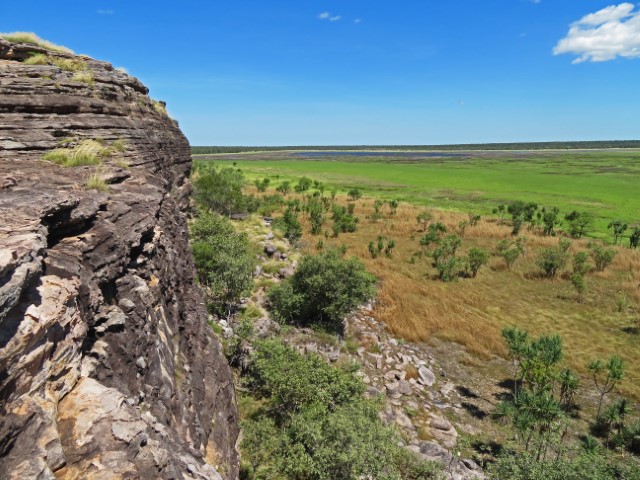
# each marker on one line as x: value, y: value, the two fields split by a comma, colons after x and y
x: 108, y: 368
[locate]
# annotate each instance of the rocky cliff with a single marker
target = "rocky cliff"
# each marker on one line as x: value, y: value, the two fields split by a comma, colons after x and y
x: 108, y: 368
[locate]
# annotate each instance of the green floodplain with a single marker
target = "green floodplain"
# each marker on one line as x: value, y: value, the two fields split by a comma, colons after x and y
x: 604, y: 182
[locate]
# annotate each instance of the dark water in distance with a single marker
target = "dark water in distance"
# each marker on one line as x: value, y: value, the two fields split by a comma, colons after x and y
x: 347, y: 153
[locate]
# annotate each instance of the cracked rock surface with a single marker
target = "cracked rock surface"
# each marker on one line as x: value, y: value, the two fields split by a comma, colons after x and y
x: 108, y: 368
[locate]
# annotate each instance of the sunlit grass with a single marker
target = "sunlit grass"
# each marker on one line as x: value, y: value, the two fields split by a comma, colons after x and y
x: 87, y: 152
x: 33, y: 39
x: 96, y: 182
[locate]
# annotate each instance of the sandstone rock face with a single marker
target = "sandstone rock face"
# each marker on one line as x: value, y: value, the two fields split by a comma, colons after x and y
x: 108, y: 368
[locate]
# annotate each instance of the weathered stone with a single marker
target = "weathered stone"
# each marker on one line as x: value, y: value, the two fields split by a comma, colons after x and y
x: 91, y: 281
x: 426, y: 376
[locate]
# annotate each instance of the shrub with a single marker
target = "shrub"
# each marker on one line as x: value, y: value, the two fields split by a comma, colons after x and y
x: 634, y: 237
x: 223, y: 259
x: 602, y: 256
x: 289, y: 224
x: 433, y: 235
x: 290, y: 380
x: 510, y: 251
x: 476, y: 259
x: 523, y: 466
x: 323, y: 289
x: 580, y: 263
x: 284, y: 188
x: 552, y: 260
x: 423, y: 219
x: 316, y: 215
x: 220, y: 190
x: 343, y: 221
x: 550, y: 221
x: 316, y: 425
x: 579, y: 223
x: 303, y: 184
x: 617, y: 227
x: 354, y: 194
x: 263, y: 184
x: 445, y: 260
x: 580, y: 286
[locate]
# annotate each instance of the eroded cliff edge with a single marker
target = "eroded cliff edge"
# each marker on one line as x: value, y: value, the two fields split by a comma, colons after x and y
x: 108, y: 368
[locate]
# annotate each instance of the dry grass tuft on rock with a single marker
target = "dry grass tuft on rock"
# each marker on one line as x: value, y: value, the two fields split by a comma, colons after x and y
x: 84, y: 76
x: 33, y: 39
x: 96, y: 182
x: 160, y: 107
x: 87, y: 152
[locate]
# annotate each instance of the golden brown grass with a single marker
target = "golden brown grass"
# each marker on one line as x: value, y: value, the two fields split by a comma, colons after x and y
x: 86, y: 152
x: 472, y: 312
x: 33, y: 39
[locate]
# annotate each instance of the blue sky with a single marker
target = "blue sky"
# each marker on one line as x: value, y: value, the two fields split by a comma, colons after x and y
x: 310, y: 72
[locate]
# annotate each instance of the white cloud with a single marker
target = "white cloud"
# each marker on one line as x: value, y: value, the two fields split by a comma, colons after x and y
x: 604, y: 35
x: 105, y: 12
x: 328, y: 16
x: 357, y: 20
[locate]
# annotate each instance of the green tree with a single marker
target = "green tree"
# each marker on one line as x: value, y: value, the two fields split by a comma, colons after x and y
x: 263, y: 184
x: 602, y: 256
x: 323, y: 289
x: 579, y: 284
x: 606, y: 375
x: 290, y: 225
x: 445, y: 260
x: 581, y: 263
x: 434, y: 234
x: 354, y: 194
x: 579, y: 224
x: 316, y: 216
x: 634, y: 237
x: 617, y: 227
x: 423, y: 219
x: 388, y: 250
x: 518, y: 346
x: 550, y: 221
x: 476, y: 259
x: 509, y: 251
x: 552, y: 260
x: 220, y: 190
x: 284, y: 188
x: 303, y: 184
x: 223, y: 259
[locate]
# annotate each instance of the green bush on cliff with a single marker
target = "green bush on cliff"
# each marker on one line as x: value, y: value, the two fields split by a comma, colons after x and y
x: 593, y: 466
x: 323, y: 289
x: 220, y: 190
x: 223, y: 259
x: 308, y: 420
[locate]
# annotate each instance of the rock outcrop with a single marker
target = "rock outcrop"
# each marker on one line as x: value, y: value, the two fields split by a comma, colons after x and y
x: 108, y: 368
